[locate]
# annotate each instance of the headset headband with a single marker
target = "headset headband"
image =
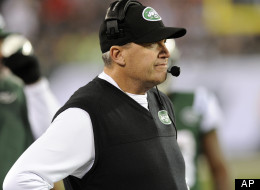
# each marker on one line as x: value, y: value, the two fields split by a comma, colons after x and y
x: 116, y: 12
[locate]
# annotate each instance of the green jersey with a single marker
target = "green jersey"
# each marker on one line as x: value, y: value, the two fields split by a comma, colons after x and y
x: 15, y: 132
x: 196, y: 113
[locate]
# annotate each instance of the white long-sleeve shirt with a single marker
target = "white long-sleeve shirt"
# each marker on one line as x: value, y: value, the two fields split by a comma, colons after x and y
x: 57, y: 153
x: 41, y: 104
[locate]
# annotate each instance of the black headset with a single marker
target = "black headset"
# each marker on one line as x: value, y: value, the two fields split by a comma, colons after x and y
x: 115, y: 14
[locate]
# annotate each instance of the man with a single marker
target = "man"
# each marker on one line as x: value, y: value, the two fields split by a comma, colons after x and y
x: 15, y: 135
x: 18, y: 55
x: 117, y: 132
x: 27, y: 103
x: 198, y: 116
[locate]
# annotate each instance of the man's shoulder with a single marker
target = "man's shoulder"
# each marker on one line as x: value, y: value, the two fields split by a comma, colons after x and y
x: 93, y: 89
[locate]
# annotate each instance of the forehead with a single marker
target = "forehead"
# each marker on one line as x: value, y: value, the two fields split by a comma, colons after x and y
x: 139, y: 46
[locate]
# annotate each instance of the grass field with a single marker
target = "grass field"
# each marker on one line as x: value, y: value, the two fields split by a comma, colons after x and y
x: 240, y: 168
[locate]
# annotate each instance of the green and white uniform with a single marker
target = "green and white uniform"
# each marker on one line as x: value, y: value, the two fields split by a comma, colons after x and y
x: 15, y: 132
x: 197, y: 113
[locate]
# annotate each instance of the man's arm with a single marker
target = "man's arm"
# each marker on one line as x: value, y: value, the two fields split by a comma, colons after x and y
x: 212, y: 119
x: 42, y: 105
x: 216, y: 160
x: 18, y: 56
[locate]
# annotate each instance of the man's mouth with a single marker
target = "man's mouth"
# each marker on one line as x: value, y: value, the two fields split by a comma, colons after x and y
x: 161, y: 65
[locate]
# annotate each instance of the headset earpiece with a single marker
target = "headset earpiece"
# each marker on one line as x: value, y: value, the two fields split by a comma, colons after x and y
x: 115, y: 14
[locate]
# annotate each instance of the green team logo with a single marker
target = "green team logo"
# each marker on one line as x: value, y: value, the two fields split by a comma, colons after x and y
x: 164, y: 118
x: 7, y: 97
x: 189, y: 116
x: 150, y: 14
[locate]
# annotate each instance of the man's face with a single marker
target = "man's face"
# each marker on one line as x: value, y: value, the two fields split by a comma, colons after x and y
x: 147, y: 63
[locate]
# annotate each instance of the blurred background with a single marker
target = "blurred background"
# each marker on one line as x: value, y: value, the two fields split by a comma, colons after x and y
x: 220, y: 51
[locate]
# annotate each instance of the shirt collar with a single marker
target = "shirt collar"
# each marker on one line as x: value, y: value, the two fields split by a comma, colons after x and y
x: 141, y: 99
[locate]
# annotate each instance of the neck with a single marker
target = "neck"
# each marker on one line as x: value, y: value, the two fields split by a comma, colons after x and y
x: 126, y: 84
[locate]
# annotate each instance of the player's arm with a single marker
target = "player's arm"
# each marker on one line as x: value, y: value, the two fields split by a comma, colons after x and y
x: 19, y: 57
x: 212, y: 119
x: 42, y: 105
x: 216, y: 160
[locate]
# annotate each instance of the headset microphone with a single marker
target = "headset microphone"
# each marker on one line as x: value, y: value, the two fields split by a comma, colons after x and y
x: 175, y: 71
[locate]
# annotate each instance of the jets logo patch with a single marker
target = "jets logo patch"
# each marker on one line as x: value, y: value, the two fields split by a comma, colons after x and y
x: 150, y: 14
x: 7, y: 97
x: 164, y: 117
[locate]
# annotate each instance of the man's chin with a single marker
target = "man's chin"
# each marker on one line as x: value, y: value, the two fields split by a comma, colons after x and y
x: 161, y: 79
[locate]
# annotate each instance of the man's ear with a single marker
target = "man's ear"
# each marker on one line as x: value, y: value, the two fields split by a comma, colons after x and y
x: 117, y: 56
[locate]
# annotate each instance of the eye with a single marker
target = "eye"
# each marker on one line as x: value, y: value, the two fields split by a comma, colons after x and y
x: 149, y: 45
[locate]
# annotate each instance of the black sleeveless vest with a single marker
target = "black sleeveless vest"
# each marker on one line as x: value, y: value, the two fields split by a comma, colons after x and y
x: 134, y: 150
